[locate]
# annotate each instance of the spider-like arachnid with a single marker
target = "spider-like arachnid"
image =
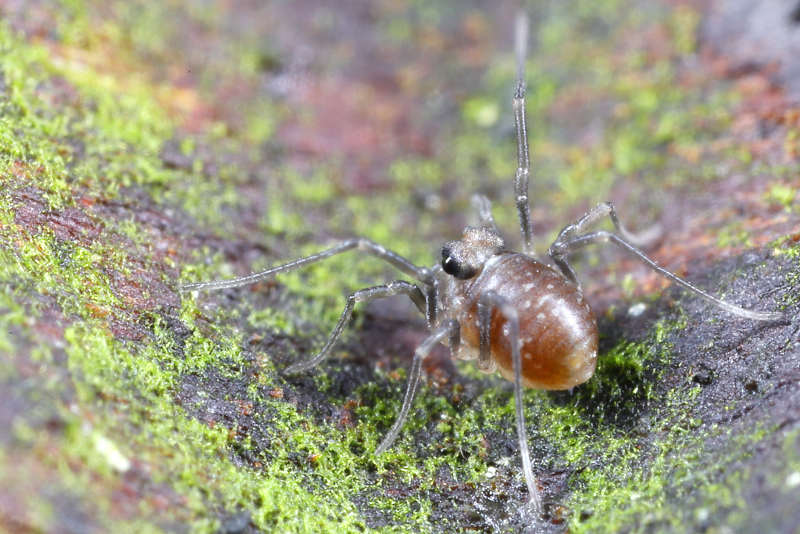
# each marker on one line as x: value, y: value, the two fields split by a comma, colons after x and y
x: 505, y: 309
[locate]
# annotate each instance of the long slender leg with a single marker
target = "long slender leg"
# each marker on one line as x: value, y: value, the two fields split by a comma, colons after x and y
x: 523, y: 155
x: 392, y: 288
x: 592, y: 216
x: 492, y: 300
x: 365, y: 245
x: 485, y: 362
x: 455, y: 337
x: 603, y: 209
x: 450, y: 329
x: 604, y: 237
x: 431, y: 299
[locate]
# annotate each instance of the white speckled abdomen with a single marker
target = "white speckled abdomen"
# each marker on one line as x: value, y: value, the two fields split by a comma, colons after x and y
x: 558, y: 330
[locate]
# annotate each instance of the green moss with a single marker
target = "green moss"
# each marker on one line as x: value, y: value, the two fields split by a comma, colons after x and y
x: 782, y: 194
x: 198, y: 461
x: 792, y: 252
x: 732, y: 236
x: 110, y: 120
x: 123, y: 409
x: 143, y: 380
x: 482, y: 112
x: 684, y: 23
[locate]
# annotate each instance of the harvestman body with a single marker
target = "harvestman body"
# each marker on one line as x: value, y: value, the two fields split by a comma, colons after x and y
x: 505, y: 309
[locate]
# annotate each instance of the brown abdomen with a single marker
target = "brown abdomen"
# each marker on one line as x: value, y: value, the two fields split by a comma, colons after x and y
x: 557, y: 328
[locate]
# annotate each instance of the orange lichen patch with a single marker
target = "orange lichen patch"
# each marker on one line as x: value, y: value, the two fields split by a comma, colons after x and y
x: 245, y: 407
x: 97, y: 311
x: 346, y: 418
x: 397, y: 374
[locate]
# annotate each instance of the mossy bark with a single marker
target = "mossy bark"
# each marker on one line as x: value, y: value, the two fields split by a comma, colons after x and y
x: 143, y: 147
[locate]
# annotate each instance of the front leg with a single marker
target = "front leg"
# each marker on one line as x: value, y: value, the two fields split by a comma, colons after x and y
x: 560, y: 248
x: 604, y: 209
x: 397, y: 287
x: 605, y: 237
x: 489, y: 301
x: 449, y: 329
x: 364, y: 245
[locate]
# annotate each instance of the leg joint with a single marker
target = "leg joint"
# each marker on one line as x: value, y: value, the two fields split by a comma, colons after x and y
x: 558, y: 250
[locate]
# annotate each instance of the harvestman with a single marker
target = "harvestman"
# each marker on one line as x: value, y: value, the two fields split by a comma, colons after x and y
x: 503, y: 308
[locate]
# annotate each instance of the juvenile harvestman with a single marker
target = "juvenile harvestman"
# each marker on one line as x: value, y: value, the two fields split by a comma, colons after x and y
x: 502, y: 308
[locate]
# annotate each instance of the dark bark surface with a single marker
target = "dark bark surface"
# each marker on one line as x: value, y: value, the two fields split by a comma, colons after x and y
x: 146, y: 146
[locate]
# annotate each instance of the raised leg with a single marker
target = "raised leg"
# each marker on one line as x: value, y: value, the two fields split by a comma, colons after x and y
x: 449, y: 329
x: 607, y: 209
x: 592, y: 216
x: 397, y: 287
x: 564, y: 248
x: 420, y: 273
x: 523, y: 156
x: 490, y: 300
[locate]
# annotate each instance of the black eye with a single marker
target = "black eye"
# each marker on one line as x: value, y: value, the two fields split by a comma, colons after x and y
x: 449, y: 264
x: 454, y: 267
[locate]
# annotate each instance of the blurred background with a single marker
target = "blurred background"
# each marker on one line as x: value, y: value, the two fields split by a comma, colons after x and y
x: 145, y: 143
